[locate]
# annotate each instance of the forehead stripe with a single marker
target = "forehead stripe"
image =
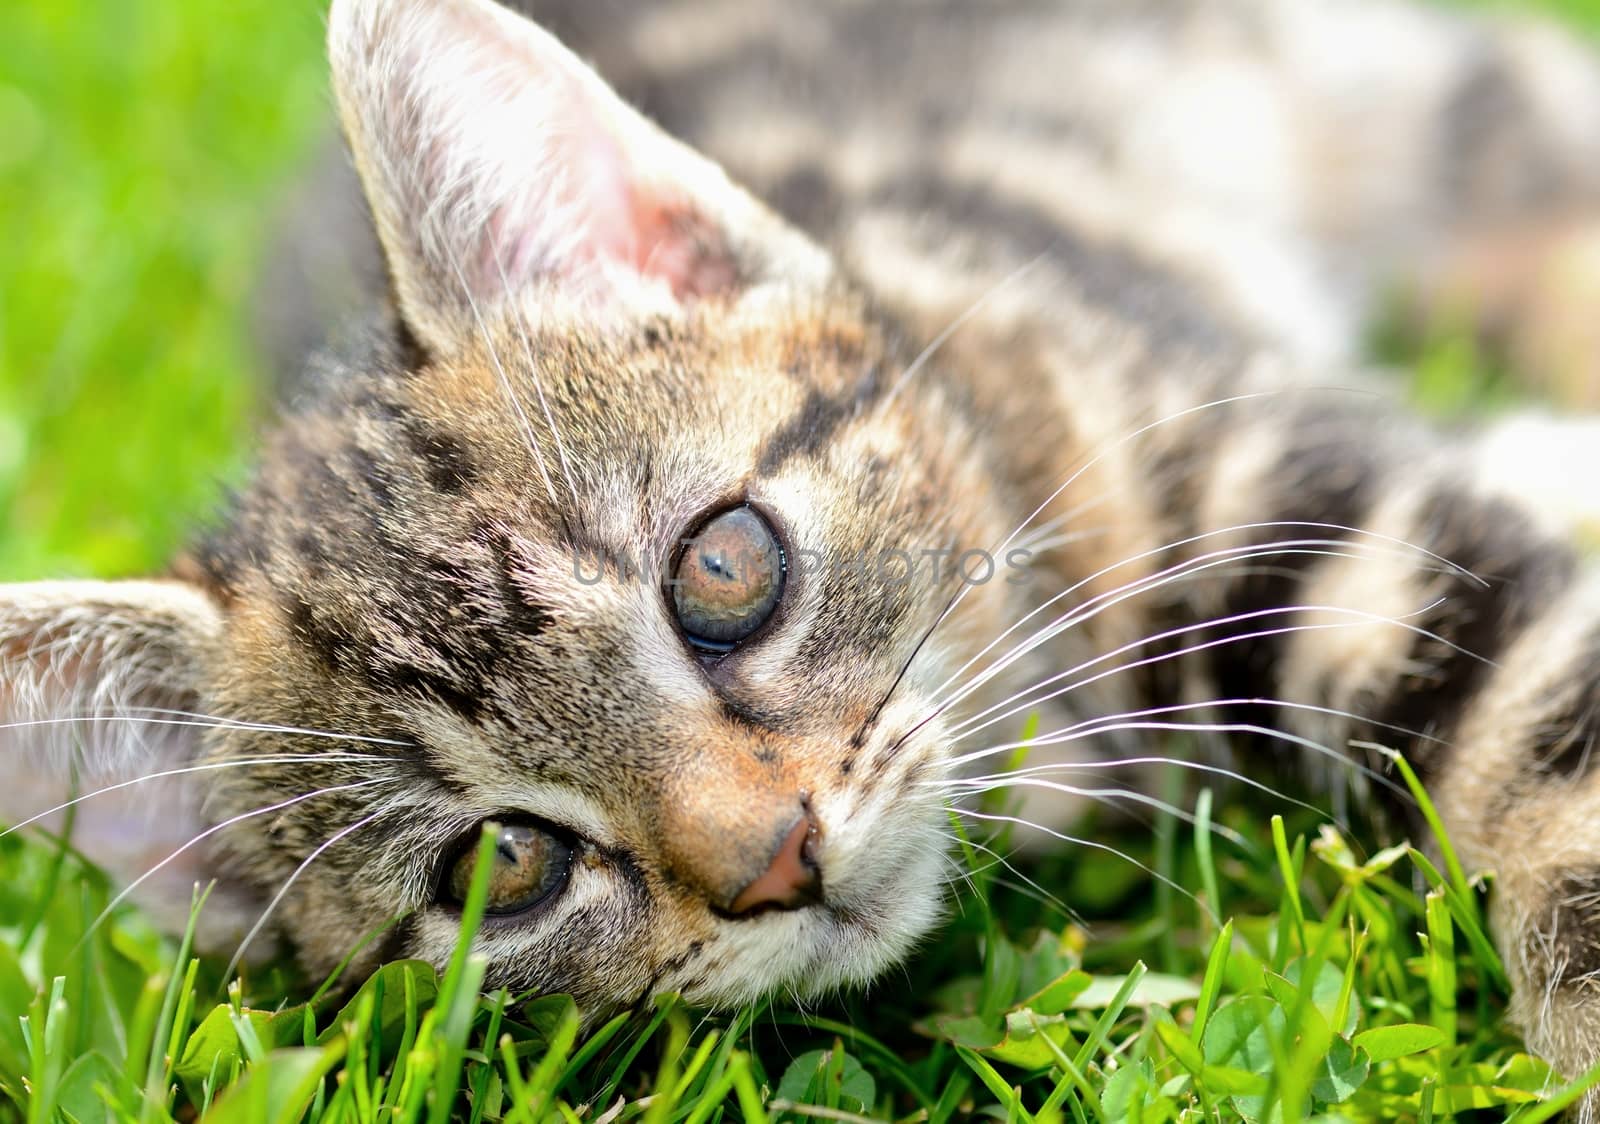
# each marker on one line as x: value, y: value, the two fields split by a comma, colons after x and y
x: 817, y: 421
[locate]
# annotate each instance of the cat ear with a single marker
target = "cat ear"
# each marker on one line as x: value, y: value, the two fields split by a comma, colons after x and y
x: 101, y: 683
x: 494, y: 160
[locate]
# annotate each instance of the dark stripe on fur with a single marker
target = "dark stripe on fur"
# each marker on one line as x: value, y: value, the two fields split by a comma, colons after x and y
x: 1169, y: 311
x: 1570, y: 939
x: 330, y: 644
x: 1523, y: 573
x: 1489, y: 157
x: 816, y: 424
x: 1326, y: 480
x: 447, y: 465
x: 524, y: 611
x: 1564, y: 745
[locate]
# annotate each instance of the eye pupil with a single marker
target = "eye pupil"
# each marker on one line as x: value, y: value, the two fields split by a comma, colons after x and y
x: 529, y: 865
x: 729, y: 581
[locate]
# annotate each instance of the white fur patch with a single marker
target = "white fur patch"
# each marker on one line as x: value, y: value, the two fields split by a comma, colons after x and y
x: 1549, y: 467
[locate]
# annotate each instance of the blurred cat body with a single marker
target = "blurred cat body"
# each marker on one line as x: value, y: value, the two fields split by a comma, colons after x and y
x: 1079, y: 298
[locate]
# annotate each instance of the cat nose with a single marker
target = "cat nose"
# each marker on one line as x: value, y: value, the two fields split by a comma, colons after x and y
x: 792, y: 878
x: 737, y: 830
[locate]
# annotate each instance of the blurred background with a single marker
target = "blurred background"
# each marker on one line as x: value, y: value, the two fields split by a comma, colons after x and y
x: 145, y: 148
x: 148, y: 149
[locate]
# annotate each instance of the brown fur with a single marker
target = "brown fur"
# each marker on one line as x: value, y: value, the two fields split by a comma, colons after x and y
x: 1036, y: 313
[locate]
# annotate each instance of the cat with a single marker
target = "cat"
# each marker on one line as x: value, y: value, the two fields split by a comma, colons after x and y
x: 707, y: 552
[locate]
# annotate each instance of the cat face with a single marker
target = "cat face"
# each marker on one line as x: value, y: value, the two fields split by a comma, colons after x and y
x: 532, y: 658
x: 629, y: 544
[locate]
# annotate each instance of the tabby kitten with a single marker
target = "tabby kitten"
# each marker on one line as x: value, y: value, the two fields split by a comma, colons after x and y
x: 707, y: 562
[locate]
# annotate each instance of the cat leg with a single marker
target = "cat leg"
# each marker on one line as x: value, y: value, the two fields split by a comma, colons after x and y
x: 1521, y: 791
x: 1440, y: 619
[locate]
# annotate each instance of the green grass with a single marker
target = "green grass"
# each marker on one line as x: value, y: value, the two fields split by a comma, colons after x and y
x: 1361, y: 986
x: 143, y: 145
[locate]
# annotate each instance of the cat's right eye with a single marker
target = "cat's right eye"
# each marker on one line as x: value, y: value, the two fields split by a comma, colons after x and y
x: 530, y: 864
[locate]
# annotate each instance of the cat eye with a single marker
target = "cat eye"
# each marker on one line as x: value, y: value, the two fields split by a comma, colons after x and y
x: 728, y: 580
x: 530, y: 864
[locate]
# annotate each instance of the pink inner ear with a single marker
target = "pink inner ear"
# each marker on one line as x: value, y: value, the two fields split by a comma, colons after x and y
x: 679, y: 245
x: 623, y: 221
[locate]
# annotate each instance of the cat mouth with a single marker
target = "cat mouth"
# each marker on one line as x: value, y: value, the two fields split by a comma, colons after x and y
x: 882, y: 898
x: 813, y: 951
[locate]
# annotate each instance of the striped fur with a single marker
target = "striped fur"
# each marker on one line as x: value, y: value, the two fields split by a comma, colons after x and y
x: 1098, y: 267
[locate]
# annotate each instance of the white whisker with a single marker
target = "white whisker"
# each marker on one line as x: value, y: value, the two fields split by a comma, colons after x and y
x: 977, y: 785
x: 954, y: 326
x: 1104, y: 796
x: 538, y: 383
x: 210, y: 766
x: 505, y: 385
x: 1046, y: 544
x: 142, y: 716
x: 283, y: 890
x: 1004, y: 863
x: 1095, y: 727
x: 210, y: 831
x: 1106, y: 847
x: 1104, y: 451
x: 1090, y: 608
x: 973, y: 724
x: 1202, y: 561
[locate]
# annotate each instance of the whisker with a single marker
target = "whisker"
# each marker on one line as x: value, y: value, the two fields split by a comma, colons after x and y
x: 1045, y: 544
x: 505, y: 385
x: 1106, y: 796
x: 1058, y: 521
x: 212, y: 766
x: 1039, y: 892
x: 1118, y: 723
x: 975, y: 785
x: 1100, y: 603
x: 955, y: 325
x: 289, y: 882
x: 1086, y: 611
x: 962, y: 873
x: 142, y: 715
x: 1093, y: 844
x: 210, y: 831
x: 538, y: 383
x: 1109, y: 446
x: 1202, y: 561
x: 1045, y: 530
x: 1028, y: 888
x: 1104, y: 451
x: 968, y: 726
x: 253, y: 724
x: 962, y: 589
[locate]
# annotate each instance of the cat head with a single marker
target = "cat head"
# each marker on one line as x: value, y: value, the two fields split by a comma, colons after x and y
x: 628, y: 542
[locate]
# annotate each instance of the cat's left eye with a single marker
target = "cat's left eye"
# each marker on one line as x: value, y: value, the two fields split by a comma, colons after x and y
x: 728, y: 580
x: 530, y: 864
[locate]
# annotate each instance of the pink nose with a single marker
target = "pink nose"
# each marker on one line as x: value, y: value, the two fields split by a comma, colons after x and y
x: 791, y: 879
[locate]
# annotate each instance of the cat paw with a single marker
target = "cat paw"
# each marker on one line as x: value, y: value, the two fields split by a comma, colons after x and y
x: 1548, y: 925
